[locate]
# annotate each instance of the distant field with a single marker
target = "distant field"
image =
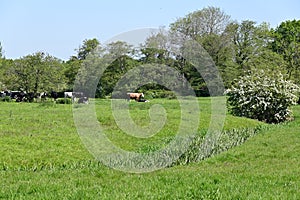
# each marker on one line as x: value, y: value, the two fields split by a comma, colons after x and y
x: 42, y: 157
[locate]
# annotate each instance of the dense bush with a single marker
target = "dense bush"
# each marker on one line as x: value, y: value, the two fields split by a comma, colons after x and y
x: 64, y: 101
x: 160, y: 94
x: 263, y: 95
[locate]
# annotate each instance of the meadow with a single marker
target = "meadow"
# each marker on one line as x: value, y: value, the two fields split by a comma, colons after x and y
x: 43, y: 157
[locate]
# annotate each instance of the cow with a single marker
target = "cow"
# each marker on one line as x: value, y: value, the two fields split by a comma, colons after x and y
x: 30, y: 97
x: 136, y: 96
x: 20, y: 96
x: 73, y: 95
x: 54, y: 95
x: 69, y: 95
x: 14, y: 94
x: 43, y: 96
x: 84, y: 100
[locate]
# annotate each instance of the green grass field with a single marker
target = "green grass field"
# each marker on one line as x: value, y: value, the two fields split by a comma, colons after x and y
x: 42, y: 157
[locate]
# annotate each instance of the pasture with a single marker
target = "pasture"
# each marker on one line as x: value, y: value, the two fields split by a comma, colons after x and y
x: 42, y: 157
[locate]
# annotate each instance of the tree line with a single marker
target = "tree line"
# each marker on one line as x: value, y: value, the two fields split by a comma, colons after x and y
x: 235, y: 48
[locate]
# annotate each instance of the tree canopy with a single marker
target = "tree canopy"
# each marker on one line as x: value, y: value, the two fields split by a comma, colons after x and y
x: 235, y: 48
x: 286, y: 42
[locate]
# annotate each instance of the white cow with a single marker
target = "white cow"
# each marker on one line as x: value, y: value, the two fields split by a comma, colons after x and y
x: 69, y: 95
x: 73, y: 95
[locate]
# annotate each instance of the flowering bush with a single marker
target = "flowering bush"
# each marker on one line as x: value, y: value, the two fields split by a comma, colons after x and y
x: 263, y: 95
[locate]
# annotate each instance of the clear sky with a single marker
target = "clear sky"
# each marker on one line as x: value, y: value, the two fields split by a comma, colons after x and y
x: 58, y: 27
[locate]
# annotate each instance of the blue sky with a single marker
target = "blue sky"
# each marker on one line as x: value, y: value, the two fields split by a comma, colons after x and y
x: 58, y: 27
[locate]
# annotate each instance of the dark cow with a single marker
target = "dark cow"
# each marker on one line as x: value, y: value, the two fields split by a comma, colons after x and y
x: 54, y: 95
x: 136, y: 96
x: 14, y: 94
x: 20, y: 96
x: 30, y: 97
x: 84, y: 100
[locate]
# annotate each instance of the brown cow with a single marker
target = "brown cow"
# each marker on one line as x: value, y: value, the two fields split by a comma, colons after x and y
x: 135, y: 96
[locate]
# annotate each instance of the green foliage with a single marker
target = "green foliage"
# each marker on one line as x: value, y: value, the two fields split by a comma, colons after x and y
x: 286, y: 42
x: 113, y: 73
x: 152, y: 94
x: 5, y: 79
x: 249, y: 42
x: 64, y: 101
x: 1, y: 51
x: 88, y: 46
x: 263, y: 95
x: 211, y: 28
x: 71, y: 69
x: 235, y: 48
x: 209, y: 20
x: 36, y: 73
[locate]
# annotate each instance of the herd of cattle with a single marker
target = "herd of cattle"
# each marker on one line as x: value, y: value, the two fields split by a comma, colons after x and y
x: 76, y: 97
x: 21, y: 96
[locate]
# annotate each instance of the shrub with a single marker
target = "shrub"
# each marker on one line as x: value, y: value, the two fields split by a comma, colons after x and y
x: 64, y: 101
x: 160, y: 94
x: 262, y: 95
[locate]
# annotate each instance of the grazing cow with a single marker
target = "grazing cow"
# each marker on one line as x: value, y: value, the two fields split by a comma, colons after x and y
x: 69, y: 95
x: 20, y: 96
x: 7, y: 93
x: 43, y: 96
x: 54, y: 95
x: 73, y: 95
x: 30, y: 97
x: 84, y: 100
x: 136, y: 96
x: 14, y: 94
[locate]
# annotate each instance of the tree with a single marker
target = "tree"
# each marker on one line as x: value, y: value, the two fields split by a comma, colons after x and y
x: 1, y: 51
x: 120, y: 51
x: 209, y: 27
x: 5, y: 79
x: 249, y: 40
x: 120, y: 54
x: 210, y: 20
x: 286, y: 42
x: 71, y: 69
x: 36, y: 73
x: 1, y: 68
x: 88, y: 46
x: 73, y: 65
